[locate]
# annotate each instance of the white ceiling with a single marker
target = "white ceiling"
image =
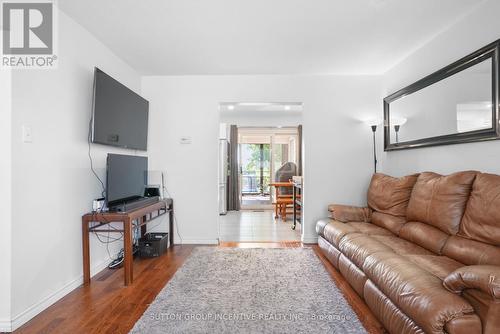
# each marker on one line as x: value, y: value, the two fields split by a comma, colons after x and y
x: 179, y: 37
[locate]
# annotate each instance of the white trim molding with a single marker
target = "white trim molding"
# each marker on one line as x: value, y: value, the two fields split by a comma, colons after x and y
x: 5, y: 326
x: 46, y: 302
x: 310, y: 239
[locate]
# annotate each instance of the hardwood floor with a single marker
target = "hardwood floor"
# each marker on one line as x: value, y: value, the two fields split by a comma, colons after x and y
x: 106, y: 306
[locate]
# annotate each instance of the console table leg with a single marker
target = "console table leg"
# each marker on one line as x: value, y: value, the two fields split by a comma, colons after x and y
x: 171, y: 225
x: 144, y: 229
x: 86, y: 252
x: 127, y: 246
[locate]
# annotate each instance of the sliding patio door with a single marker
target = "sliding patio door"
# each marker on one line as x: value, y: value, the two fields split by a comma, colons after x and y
x: 255, y: 174
x: 262, y: 151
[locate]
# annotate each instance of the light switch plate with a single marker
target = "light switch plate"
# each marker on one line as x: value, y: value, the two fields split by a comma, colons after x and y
x: 185, y: 140
x: 27, y: 136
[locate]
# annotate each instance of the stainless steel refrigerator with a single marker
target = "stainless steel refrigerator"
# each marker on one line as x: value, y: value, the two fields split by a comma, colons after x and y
x: 223, y: 168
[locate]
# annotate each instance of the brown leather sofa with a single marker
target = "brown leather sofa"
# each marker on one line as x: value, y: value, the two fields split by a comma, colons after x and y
x: 425, y: 253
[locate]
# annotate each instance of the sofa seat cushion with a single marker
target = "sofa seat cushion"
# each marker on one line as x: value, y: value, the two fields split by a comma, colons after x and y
x: 352, y: 274
x: 331, y: 252
x: 415, y: 291
x: 358, y: 246
x: 401, y: 246
x: 334, y: 231
x: 439, y: 266
x: 393, y: 319
x: 370, y: 229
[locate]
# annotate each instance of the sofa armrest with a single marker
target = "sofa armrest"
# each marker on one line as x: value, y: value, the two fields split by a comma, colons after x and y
x: 346, y: 213
x: 481, y: 277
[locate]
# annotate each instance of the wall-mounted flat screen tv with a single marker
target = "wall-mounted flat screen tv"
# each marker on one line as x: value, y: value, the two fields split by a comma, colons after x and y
x: 119, y: 116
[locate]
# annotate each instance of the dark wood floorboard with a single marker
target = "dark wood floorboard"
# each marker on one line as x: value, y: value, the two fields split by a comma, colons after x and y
x: 106, y: 306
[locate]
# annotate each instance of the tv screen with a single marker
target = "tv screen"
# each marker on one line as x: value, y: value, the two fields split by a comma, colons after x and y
x: 126, y: 178
x: 120, y: 116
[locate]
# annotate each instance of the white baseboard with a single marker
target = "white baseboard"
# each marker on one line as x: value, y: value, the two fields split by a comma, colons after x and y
x: 200, y: 242
x: 310, y: 240
x: 5, y: 326
x: 43, y: 304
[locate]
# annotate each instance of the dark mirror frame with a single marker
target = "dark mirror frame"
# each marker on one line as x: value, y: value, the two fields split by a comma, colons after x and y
x: 490, y: 51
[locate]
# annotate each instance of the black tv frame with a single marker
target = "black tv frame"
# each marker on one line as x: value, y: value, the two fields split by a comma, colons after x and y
x: 92, y: 129
x: 128, y: 203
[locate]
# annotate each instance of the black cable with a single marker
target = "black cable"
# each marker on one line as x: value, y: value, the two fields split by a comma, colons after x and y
x: 89, y: 142
x: 103, y: 192
x: 109, y: 240
x: 164, y: 188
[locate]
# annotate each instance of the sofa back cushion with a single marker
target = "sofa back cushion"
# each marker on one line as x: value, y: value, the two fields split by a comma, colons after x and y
x: 481, y: 221
x: 424, y: 235
x: 471, y: 252
x: 389, y: 222
x: 390, y: 195
x: 440, y: 200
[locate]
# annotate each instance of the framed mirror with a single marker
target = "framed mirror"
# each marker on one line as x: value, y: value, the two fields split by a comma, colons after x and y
x: 456, y: 104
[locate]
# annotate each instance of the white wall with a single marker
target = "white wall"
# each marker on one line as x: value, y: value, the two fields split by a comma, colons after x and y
x: 337, y: 154
x: 478, y: 29
x: 5, y: 198
x: 53, y: 182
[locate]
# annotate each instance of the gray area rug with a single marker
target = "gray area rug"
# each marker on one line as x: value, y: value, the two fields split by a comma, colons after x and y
x: 226, y: 290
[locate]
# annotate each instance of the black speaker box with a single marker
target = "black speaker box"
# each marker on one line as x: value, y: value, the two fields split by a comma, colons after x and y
x: 152, y: 192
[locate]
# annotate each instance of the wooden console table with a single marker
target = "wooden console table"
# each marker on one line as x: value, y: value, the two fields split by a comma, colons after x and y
x: 94, y: 222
